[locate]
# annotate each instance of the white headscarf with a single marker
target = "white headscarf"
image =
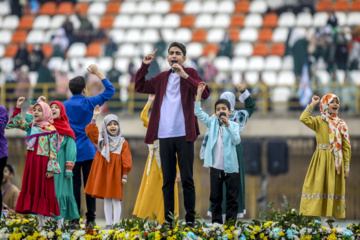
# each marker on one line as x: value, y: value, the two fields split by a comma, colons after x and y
x: 108, y: 143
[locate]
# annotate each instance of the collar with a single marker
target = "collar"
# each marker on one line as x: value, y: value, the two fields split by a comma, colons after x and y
x: 77, y: 96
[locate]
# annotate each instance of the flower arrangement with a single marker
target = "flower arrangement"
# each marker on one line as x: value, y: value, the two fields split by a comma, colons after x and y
x: 282, y: 224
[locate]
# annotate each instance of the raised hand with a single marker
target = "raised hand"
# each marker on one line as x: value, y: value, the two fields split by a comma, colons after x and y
x: 124, y: 181
x: 93, y: 69
x: 315, y: 100
x: 149, y: 58
x: 240, y: 87
x: 200, y: 90
x: 41, y: 99
x: 20, y: 102
x: 97, y: 111
x: 151, y: 97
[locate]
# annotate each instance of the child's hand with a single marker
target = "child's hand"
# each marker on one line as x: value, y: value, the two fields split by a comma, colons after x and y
x: 97, y: 111
x: 20, y: 102
x: 149, y: 58
x: 201, y: 88
x: 151, y: 98
x: 315, y: 100
x: 240, y: 87
x: 225, y: 120
x: 93, y: 69
x: 41, y: 99
x: 124, y: 181
x: 178, y: 177
x: 346, y: 174
x: 49, y: 174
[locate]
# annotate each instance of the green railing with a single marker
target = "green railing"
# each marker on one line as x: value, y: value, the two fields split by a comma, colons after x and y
x: 126, y: 97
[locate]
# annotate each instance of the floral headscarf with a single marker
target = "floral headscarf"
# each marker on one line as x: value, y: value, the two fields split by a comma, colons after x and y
x: 108, y: 143
x: 46, y: 121
x: 336, y: 126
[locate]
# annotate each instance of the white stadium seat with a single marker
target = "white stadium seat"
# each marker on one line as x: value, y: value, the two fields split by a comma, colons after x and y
x: 150, y: 35
x: 192, y: 7
x: 133, y: 36
x: 122, y: 21
x: 322, y: 76
x: 256, y: 63
x: 355, y: 76
x: 281, y: 94
x: 96, y: 8
x: 253, y: 20
x: 118, y: 35
x: 258, y: 7
x: 249, y: 34
x: 57, y: 21
x: 6, y: 36
x: 171, y: 21
x: 138, y: 21
x: 77, y: 50
x: 287, y: 19
x: 194, y: 50
x: 287, y: 63
x: 243, y: 49
x: 42, y: 22
x: 269, y: 78
x: 222, y: 63
x: 280, y: 34
x: 35, y: 36
x: 215, y: 35
x: 95, y: 21
x: 252, y: 78
x: 54, y: 62
x: 226, y: 7
x: 127, y: 50
x: 5, y: 8
x: 128, y: 7
x: 320, y: 19
x: 239, y: 64
x: 2, y: 50
x: 304, y: 19
x: 168, y: 35
x: 122, y: 64
x: 7, y: 64
x: 161, y: 7
x: 75, y: 21
x: 10, y: 22
x: 105, y: 63
x: 210, y: 7
x: 155, y: 21
x: 353, y: 18
x: 145, y: 7
x: 286, y: 78
x: 273, y: 63
x: 183, y: 35
x: 340, y: 75
x: 341, y: 18
x: 221, y: 20
x: 204, y: 21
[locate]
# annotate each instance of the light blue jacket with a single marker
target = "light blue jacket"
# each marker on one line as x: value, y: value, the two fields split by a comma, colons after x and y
x: 231, y: 139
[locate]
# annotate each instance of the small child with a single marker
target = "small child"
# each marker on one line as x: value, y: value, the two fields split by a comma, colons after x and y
x: 323, y: 193
x: 220, y: 156
x: 4, y: 118
x: 38, y: 189
x: 112, y: 164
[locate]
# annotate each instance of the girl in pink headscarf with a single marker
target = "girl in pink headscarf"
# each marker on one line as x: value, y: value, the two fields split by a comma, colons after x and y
x: 323, y: 192
x: 37, y: 194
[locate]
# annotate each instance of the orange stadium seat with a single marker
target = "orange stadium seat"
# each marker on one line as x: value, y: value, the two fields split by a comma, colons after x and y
x: 278, y: 49
x: 187, y: 21
x: 94, y: 50
x: 82, y: 7
x: 242, y: 6
x: 11, y: 50
x: 19, y: 36
x: 65, y: 8
x: 47, y: 50
x: 48, y: 8
x: 237, y: 21
x: 265, y: 35
x: 177, y: 7
x: 26, y: 22
x: 107, y: 22
x: 355, y: 6
x: 324, y: 6
x: 199, y: 35
x: 234, y: 33
x: 210, y: 48
x: 270, y: 20
x: 112, y: 8
x: 341, y: 6
x: 29, y: 47
x: 260, y: 49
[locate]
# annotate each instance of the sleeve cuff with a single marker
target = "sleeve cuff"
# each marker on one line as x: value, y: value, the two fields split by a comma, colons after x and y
x: 346, y: 167
x: 93, y: 121
x: 244, y: 95
x: 124, y: 176
x: 53, y: 166
x: 68, y: 168
x: 309, y: 109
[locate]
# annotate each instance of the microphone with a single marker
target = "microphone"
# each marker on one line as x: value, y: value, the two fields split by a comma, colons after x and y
x: 220, y: 119
x: 173, y: 69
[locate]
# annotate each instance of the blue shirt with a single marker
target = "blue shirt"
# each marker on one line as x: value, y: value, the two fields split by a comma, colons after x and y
x: 231, y: 138
x: 79, y: 110
x: 4, y: 118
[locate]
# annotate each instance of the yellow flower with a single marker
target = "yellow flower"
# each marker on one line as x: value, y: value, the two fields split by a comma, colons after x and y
x: 58, y: 232
x: 232, y: 228
x: 265, y: 238
x: 25, y: 221
x: 96, y: 227
x: 230, y: 236
x: 268, y: 224
x: 225, y: 227
x: 281, y: 233
x: 262, y: 235
x: 332, y: 237
x: 252, y: 237
x: 16, y: 229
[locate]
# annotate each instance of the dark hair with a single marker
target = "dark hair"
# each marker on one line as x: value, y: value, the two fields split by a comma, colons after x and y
x: 178, y: 45
x: 77, y: 84
x: 223, y: 101
x: 11, y: 168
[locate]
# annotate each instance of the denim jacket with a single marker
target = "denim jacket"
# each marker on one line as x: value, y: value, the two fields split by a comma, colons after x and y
x: 231, y: 139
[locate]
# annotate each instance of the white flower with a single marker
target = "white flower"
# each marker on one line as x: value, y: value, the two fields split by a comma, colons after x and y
x: 50, y: 234
x: 198, y: 238
x: 82, y: 238
x: 81, y: 233
x: 82, y: 225
x: 293, y: 226
x: 43, y: 234
x: 236, y: 232
x: 302, y: 231
x: 218, y: 232
x: 158, y: 227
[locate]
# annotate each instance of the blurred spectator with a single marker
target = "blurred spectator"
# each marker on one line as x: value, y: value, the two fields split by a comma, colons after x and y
x: 110, y: 48
x: 306, y: 5
x: 225, y: 47
x: 84, y: 33
x: 69, y: 29
x: 160, y: 45
x: 60, y: 42
x: 9, y: 190
x: 36, y: 57
x: 332, y: 21
x: 21, y: 57
x: 153, y: 70
x: 209, y: 70
x: 354, y: 57
x: 23, y: 82
x: 132, y: 71
x: 17, y: 7
x: 62, y: 82
x: 348, y: 95
x: 299, y: 50
x: 113, y: 74
x: 341, y: 52
x: 80, y: 70
x: 10, y: 90
x: 44, y: 76
x: 34, y: 6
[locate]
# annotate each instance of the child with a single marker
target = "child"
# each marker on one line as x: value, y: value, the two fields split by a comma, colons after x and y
x: 4, y: 118
x: 152, y: 181
x: 38, y: 189
x: 79, y: 110
x: 240, y: 117
x: 323, y: 193
x: 220, y: 156
x: 112, y: 164
x: 66, y: 158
